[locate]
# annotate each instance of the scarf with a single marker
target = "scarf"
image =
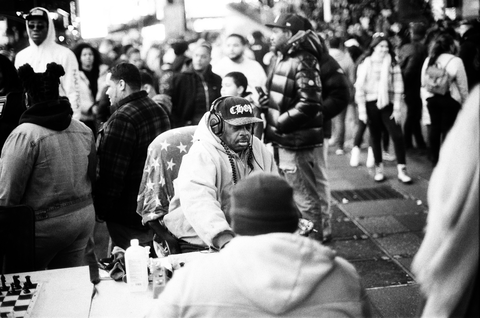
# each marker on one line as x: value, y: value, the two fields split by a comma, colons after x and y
x: 55, y: 115
x: 365, y: 72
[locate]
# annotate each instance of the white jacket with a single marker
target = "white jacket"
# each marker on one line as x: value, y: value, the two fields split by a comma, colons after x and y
x: 203, y: 186
x: 38, y: 56
x: 271, y: 275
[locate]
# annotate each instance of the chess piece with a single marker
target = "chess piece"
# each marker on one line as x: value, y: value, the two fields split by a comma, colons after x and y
x: 4, y: 285
x: 16, y: 282
x: 28, y: 282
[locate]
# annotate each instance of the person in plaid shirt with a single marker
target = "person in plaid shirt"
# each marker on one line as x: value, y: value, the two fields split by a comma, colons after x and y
x: 122, y: 149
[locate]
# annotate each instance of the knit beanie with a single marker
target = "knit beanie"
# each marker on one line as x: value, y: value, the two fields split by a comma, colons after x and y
x: 41, y: 86
x: 263, y: 203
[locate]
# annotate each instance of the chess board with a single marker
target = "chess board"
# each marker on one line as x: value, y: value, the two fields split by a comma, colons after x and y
x: 17, y: 302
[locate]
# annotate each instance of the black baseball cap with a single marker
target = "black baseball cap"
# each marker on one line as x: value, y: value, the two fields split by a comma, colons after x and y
x: 236, y: 111
x: 37, y: 13
x: 288, y: 21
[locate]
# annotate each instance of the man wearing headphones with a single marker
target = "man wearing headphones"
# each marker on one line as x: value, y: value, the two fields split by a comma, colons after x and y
x: 224, y: 151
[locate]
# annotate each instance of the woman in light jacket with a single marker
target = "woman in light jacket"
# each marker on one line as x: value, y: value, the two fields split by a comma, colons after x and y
x: 443, y: 109
x: 379, y: 90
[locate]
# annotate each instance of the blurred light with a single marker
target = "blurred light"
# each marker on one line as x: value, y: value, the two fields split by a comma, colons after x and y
x: 75, y: 32
x: 61, y: 38
x: 70, y: 27
x: 207, y: 24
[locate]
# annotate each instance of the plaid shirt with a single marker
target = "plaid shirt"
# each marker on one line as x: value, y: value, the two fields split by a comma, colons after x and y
x: 122, y: 149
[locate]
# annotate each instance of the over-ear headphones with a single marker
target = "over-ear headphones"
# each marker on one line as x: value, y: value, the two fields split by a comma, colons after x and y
x: 215, y: 121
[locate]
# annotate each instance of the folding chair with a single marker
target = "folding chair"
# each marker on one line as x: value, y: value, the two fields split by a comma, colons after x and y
x: 17, y: 239
x: 163, y: 161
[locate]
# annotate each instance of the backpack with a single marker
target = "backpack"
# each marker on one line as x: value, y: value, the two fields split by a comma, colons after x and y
x: 437, y: 80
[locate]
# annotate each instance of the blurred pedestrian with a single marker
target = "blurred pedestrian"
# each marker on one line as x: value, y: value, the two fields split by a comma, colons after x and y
x: 89, y: 63
x: 411, y: 56
x: 194, y: 89
x: 122, y: 149
x: 235, y: 60
x: 43, y: 49
x: 378, y: 94
x: 446, y: 264
x: 443, y: 109
x: 346, y: 63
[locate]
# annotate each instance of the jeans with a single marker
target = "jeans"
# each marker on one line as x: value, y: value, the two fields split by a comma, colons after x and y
x: 306, y: 171
x: 61, y: 241
x: 339, y: 129
x: 412, y: 127
x: 378, y: 120
x: 443, y: 111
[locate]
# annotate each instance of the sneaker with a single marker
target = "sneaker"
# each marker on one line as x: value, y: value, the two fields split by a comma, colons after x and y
x: 379, y: 176
x: 370, y: 158
x: 339, y: 152
x: 355, y: 157
x: 388, y: 157
x: 402, y: 174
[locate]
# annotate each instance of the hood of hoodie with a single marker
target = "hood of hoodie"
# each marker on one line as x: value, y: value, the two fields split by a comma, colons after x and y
x: 50, y: 39
x: 308, y: 41
x: 54, y: 114
x: 258, y: 264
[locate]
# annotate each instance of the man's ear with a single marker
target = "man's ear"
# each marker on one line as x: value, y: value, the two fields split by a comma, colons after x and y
x: 122, y: 85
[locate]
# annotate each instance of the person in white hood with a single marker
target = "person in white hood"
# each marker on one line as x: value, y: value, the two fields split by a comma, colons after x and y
x: 43, y: 50
x: 224, y: 152
x: 266, y: 270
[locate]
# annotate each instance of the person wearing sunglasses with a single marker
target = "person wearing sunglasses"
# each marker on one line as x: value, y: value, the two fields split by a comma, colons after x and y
x: 43, y: 50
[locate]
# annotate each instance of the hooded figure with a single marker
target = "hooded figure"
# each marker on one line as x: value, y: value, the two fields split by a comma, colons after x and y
x: 267, y: 270
x: 48, y: 162
x: 43, y: 49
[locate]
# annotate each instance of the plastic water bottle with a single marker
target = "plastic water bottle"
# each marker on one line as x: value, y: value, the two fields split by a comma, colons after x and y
x: 136, y: 267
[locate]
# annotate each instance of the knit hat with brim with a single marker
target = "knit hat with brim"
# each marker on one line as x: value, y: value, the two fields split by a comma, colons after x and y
x: 263, y: 203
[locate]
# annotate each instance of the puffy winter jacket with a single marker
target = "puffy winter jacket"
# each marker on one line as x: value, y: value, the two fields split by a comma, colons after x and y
x: 294, y: 117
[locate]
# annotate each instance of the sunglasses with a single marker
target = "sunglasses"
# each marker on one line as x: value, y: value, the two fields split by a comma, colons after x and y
x: 378, y: 35
x: 39, y: 27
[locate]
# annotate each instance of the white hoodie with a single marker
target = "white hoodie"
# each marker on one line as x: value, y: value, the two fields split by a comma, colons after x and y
x: 270, y: 275
x: 203, y: 186
x: 38, y: 56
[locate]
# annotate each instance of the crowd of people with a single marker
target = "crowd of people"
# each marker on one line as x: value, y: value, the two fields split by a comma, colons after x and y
x: 264, y: 120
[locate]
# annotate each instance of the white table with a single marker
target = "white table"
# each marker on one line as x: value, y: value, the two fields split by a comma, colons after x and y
x: 114, y: 299
x: 65, y: 293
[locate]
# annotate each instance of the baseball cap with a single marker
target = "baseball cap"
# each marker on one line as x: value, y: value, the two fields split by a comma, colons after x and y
x: 236, y: 111
x: 37, y: 13
x: 289, y: 21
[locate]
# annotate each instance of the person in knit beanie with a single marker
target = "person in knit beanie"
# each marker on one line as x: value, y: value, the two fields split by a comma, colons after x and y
x: 267, y: 270
x: 48, y: 162
x: 263, y: 205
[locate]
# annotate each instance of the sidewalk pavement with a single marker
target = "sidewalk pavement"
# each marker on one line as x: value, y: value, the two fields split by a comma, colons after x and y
x: 378, y: 227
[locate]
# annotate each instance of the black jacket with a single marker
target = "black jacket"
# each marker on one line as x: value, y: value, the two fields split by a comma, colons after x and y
x: 335, y: 89
x: 294, y: 116
x: 183, y: 91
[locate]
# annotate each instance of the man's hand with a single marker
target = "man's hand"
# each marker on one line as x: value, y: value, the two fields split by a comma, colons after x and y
x: 263, y: 102
x: 396, y: 115
x: 362, y: 118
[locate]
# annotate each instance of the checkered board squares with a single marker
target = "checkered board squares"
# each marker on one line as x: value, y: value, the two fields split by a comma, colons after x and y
x: 18, y: 304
